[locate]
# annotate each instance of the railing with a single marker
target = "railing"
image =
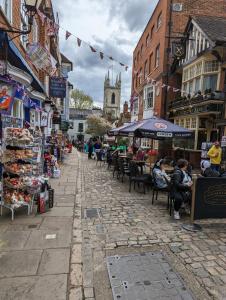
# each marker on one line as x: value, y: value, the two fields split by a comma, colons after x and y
x: 205, y: 108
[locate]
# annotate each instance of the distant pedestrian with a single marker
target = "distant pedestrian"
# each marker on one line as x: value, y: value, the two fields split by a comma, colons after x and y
x: 90, y: 148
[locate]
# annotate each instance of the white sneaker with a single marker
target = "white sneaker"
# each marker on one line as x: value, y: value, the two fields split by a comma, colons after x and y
x: 176, y: 215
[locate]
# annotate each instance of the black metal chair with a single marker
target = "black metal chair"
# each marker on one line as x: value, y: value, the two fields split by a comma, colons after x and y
x: 135, y: 177
x: 115, y: 163
x: 123, y: 168
x: 157, y: 189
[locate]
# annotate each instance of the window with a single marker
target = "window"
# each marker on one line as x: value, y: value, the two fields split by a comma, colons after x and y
x: 149, y: 97
x: 193, y: 123
x: 135, y: 107
x: 177, y: 122
x: 210, y: 82
x: 181, y: 122
x: 152, y: 31
x: 159, y: 20
x: 150, y: 63
x: 35, y: 32
x: 198, y: 69
x: 146, y: 69
x: 80, y: 127
x: 147, y: 41
x: 113, y: 98
x: 141, y: 50
x: 135, y: 62
x: 138, y: 55
x: 17, y: 109
x: 24, y: 24
x: 188, y: 123
x: 140, y: 76
x: 211, y: 66
x: 6, y: 6
x: 157, y: 56
x: 197, y: 84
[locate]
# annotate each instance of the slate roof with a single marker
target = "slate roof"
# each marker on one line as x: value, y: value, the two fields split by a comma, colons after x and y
x: 213, y: 27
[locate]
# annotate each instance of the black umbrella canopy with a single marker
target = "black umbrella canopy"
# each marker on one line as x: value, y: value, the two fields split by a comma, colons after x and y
x: 116, y: 131
x: 156, y: 128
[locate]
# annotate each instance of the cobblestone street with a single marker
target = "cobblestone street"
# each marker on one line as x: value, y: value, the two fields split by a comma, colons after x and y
x: 128, y: 223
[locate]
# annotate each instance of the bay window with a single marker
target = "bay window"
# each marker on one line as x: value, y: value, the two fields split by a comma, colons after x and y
x: 6, y: 6
x: 210, y: 82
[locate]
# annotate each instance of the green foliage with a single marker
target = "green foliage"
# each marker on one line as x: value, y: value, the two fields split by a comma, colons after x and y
x: 97, y: 126
x: 123, y: 141
x: 80, y: 100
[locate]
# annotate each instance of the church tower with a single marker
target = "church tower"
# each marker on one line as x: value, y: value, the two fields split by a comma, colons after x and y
x: 112, y: 98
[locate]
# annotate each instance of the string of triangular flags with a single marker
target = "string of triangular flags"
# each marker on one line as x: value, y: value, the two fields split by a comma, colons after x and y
x: 156, y: 83
x: 53, y: 29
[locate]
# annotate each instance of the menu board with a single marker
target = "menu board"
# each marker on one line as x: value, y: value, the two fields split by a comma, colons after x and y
x: 57, y: 87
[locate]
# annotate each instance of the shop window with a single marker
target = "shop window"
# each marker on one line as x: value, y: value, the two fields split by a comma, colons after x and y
x: 159, y: 20
x: 193, y: 123
x: 149, y: 97
x: 210, y: 82
x: 211, y: 66
x: 113, y: 98
x: 6, y: 6
x: 157, y: 56
x: 146, y: 69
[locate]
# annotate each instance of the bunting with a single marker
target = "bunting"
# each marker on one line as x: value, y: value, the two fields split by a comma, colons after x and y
x: 53, y: 28
x: 67, y: 35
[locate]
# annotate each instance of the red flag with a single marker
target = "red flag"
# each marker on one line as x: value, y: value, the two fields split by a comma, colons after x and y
x: 92, y: 49
x: 79, y: 42
x: 101, y: 55
x: 68, y: 34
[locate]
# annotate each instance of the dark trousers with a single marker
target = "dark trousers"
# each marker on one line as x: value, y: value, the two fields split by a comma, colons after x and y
x: 215, y: 167
x: 186, y: 198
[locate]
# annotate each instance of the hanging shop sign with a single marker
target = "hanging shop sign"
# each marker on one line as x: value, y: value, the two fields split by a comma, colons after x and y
x: 56, y: 118
x: 44, y: 119
x: 40, y: 57
x: 57, y: 87
x: 6, y: 98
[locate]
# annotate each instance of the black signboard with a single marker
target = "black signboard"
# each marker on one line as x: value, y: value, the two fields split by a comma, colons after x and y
x: 210, y: 198
x: 64, y: 126
x: 56, y: 118
x: 57, y: 87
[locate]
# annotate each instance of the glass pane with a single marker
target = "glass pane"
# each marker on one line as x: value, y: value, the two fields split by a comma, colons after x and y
x: 210, y: 82
x: 197, y: 84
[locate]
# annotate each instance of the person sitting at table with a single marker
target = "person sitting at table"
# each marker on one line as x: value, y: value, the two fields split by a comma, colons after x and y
x: 140, y: 155
x: 181, y: 188
x: 207, y: 171
x: 160, y: 176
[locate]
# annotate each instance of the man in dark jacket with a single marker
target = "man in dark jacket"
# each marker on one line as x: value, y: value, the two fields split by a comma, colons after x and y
x: 181, y: 187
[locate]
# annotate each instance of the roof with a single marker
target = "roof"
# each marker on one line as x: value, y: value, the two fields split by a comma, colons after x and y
x: 65, y: 60
x: 213, y: 27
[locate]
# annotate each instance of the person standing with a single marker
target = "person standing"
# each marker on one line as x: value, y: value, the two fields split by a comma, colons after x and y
x: 215, y: 155
x: 90, y: 148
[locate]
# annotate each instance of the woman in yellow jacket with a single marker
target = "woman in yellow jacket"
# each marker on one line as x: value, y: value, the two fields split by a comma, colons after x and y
x: 215, y: 155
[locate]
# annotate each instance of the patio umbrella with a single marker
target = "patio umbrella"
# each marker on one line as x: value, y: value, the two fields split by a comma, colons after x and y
x: 156, y: 128
x: 116, y: 131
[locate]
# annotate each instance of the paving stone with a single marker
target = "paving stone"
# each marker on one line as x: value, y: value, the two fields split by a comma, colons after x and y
x: 76, y: 256
x: 76, y: 294
x: 76, y: 275
x: 88, y: 292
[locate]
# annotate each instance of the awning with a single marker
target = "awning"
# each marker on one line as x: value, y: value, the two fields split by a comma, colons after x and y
x: 16, y: 59
x: 116, y: 131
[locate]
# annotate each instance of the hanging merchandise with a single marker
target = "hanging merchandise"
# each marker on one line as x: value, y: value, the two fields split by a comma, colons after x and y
x: 22, y: 168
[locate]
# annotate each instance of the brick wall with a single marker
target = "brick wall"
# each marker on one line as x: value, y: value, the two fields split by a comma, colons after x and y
x: 179, y: 21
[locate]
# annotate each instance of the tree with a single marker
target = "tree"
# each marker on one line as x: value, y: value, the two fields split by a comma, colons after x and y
x: 97, y: 126
x: 80, y: 100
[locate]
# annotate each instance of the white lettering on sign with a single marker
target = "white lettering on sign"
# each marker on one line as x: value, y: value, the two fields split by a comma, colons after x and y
x: 164, y: 134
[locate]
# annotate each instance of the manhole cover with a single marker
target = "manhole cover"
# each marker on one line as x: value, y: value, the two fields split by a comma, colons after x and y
x: 91, y: 213
x: 145, y: 276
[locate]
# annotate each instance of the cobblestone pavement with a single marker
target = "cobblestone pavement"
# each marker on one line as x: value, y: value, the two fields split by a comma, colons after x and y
x: 127, y: 223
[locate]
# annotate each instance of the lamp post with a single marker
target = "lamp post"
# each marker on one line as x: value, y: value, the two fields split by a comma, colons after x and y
x: 30, y: 9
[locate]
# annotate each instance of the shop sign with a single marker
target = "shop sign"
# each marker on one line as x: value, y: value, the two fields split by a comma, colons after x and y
x: 56, y: 119
x: 57, y: 87
x: 39, y: 56
x: 44, y: 119
x: 64, y: 126
x: 8, y: 121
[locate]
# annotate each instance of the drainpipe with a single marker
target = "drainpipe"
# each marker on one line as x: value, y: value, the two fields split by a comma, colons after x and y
x: 168, y: 58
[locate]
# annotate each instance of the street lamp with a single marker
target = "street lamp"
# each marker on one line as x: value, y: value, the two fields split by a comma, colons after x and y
x: 30, y: 9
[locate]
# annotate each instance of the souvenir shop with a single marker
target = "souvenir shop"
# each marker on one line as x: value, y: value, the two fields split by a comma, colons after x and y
x: 24, y: 181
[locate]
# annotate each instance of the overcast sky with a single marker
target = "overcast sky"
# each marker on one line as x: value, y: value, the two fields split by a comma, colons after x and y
x: 111, y: 26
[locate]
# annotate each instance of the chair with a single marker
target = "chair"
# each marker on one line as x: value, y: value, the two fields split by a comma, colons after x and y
x: 135, y: 177
x: 123, y: 168
x: 157, y: 189
x: 116, y: 166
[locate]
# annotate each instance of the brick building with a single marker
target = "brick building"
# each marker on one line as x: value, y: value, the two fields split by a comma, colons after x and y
x: 152, y: 57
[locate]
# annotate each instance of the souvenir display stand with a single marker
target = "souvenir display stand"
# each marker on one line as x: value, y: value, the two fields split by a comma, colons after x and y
x: 22, y: 168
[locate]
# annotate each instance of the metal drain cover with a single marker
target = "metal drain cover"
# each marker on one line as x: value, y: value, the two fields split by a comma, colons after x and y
x: 92, y: 213
x: 145, y: 276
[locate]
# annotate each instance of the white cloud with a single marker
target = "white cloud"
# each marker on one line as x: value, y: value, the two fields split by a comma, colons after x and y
x: 111, y: 26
